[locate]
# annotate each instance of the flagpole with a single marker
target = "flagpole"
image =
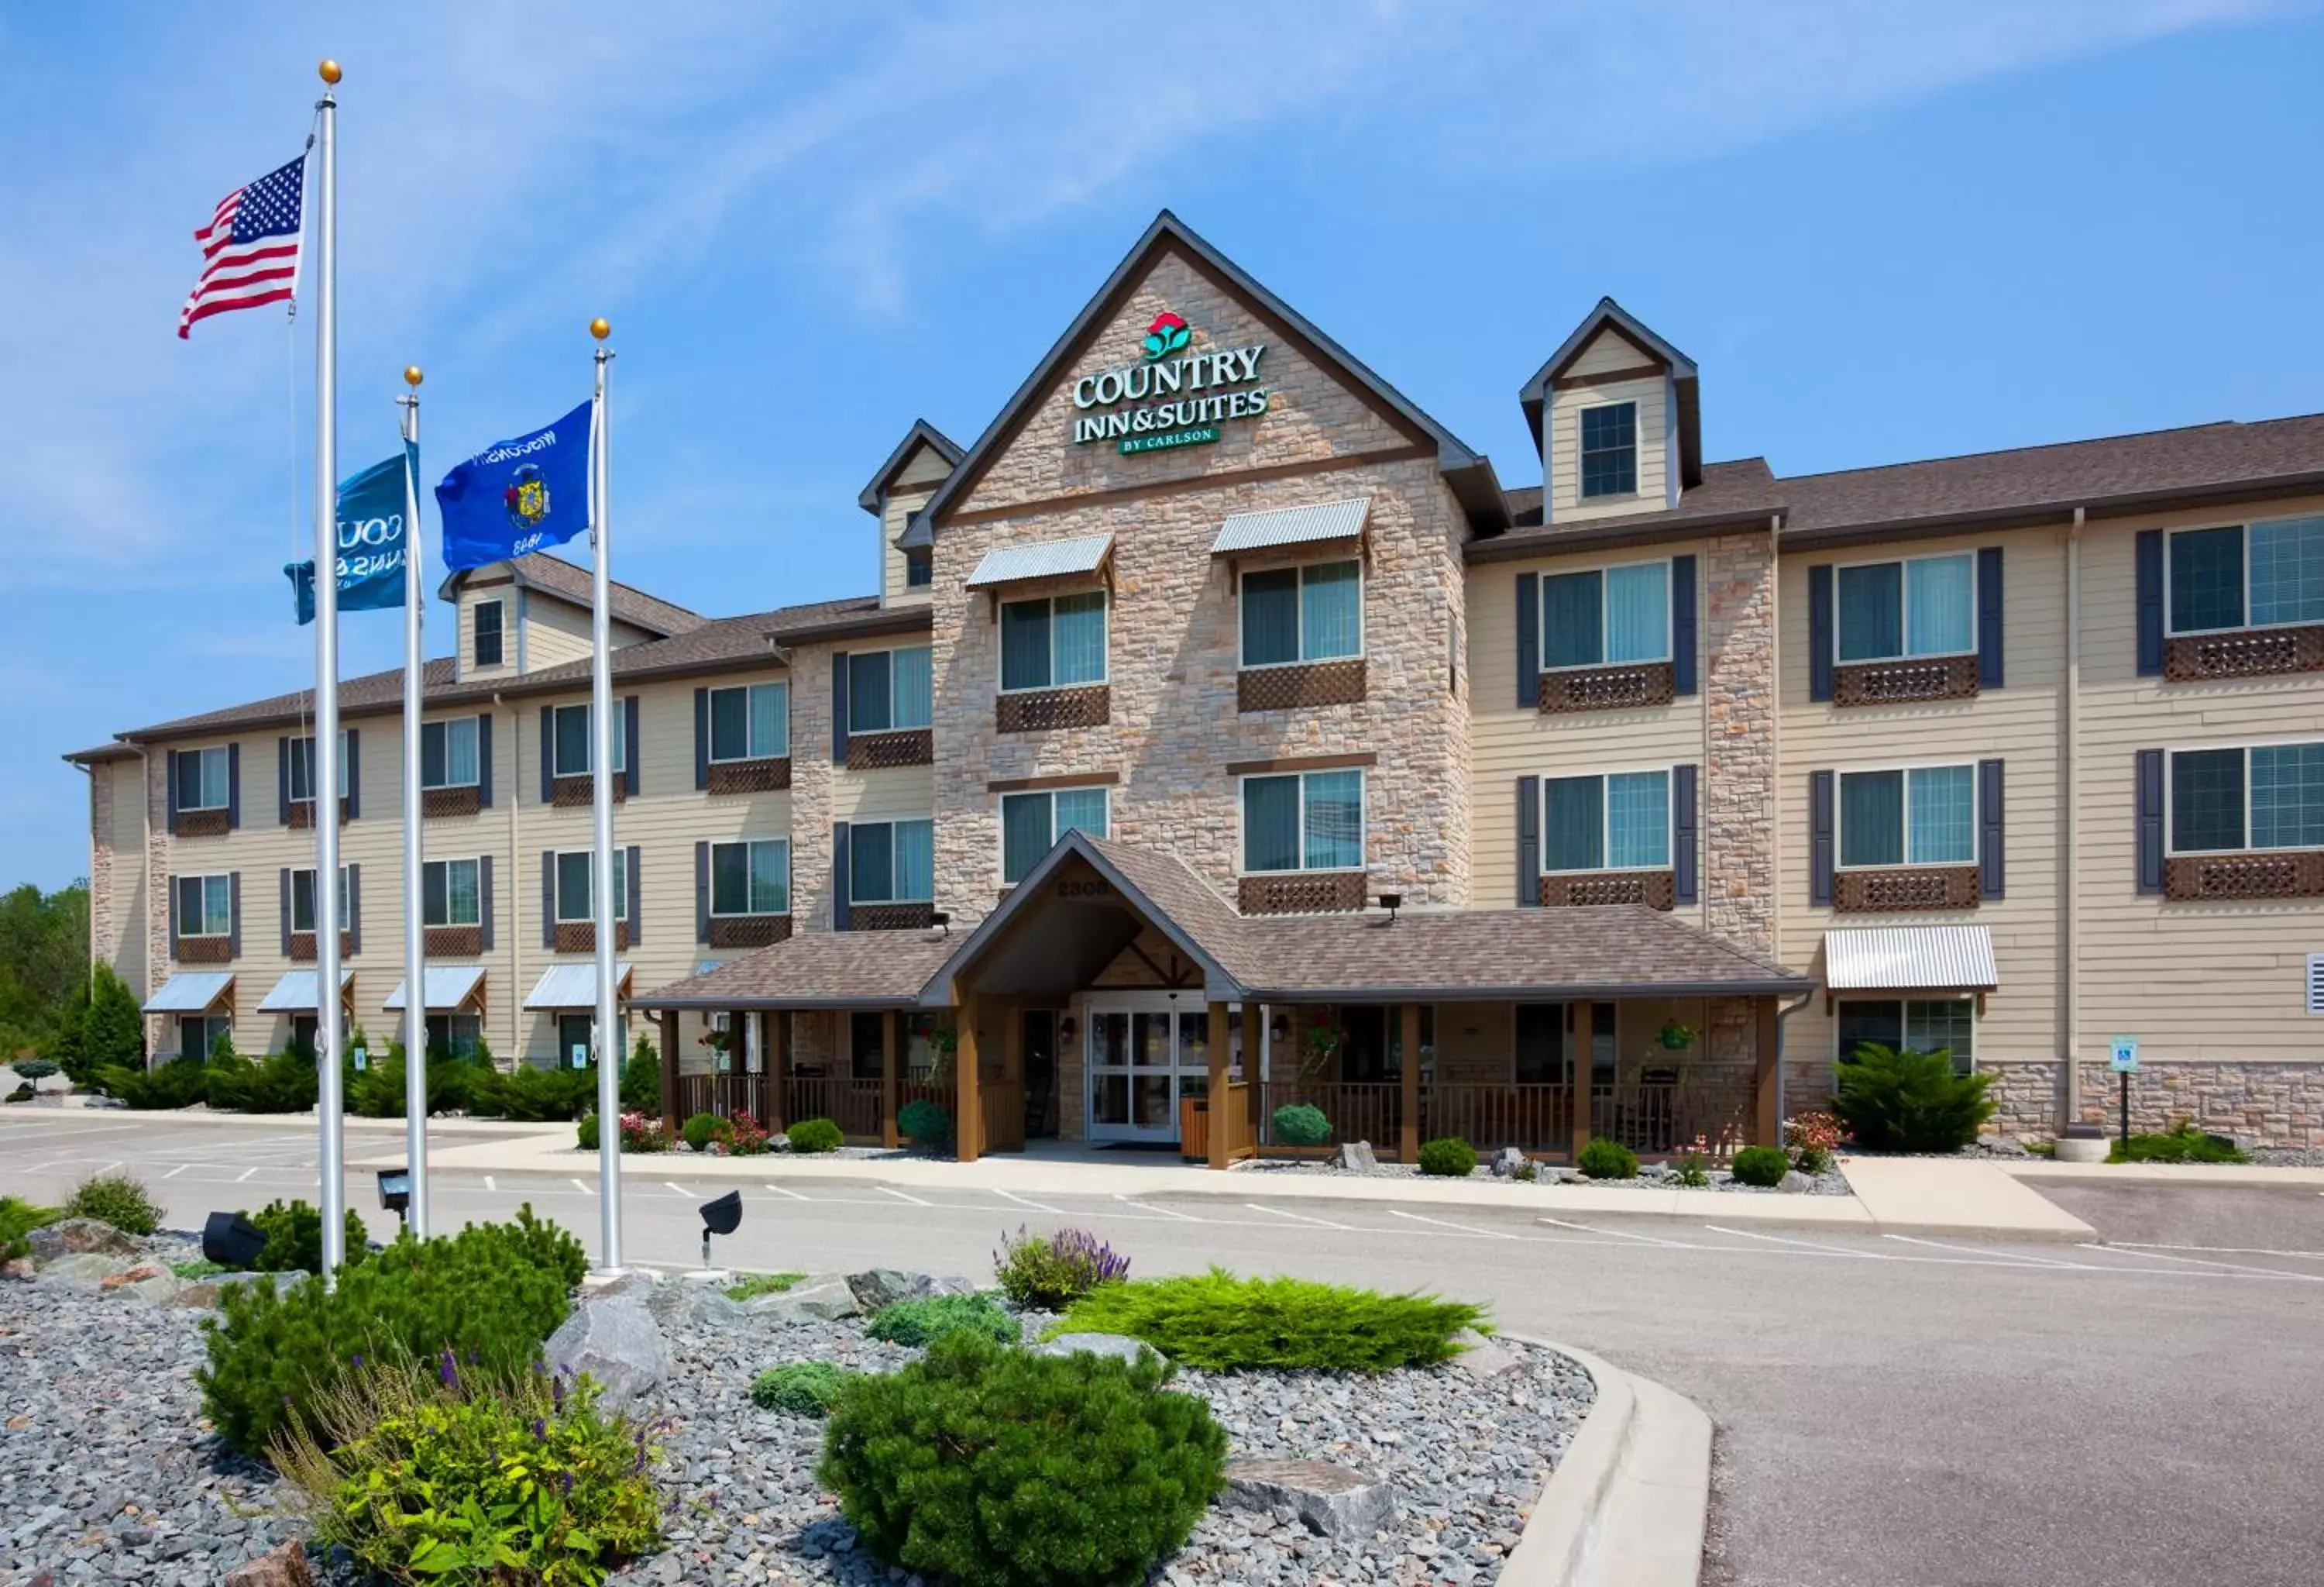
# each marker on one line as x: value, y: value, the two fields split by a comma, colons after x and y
x: 609, y: 1043
x: 330, y: 1157
x: 415, y: 937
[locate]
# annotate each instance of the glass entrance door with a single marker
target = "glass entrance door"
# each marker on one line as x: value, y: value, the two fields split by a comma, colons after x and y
x: 1143, y: 1054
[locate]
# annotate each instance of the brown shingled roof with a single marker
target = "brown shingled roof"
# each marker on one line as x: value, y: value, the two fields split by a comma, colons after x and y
x: 819, y: 970
x: 570, y: 582
x: 1734, y: 494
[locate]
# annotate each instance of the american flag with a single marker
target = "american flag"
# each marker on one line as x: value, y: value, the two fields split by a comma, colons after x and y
x: 250, y: 249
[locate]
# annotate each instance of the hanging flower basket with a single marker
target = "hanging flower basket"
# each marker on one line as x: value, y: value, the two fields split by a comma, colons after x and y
x: 1676, y: 1037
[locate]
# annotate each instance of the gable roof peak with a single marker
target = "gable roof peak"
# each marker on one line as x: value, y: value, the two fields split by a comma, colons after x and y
x: 871, y: 498
x: 1610, y: 316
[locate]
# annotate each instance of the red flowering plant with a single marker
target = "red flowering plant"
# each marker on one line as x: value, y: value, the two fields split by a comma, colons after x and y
x: 747, y: 1137
x: 642, y: 1133
x: 1813, y: 1138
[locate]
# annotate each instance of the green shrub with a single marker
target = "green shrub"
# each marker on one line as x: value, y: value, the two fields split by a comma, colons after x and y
x: 703, y: 1128
x: 279, y: 1083
x: 19, y: 1218
x: 640, y: 1081
x: 179, y: 1084
x: 925, y: 1123
x: 759, y: 1283
x: 1300, y: 1124
x: 802, y: 1388
x: 1049, y: 1275
x: 1604, y: 1157
x: 924, y: 1321
x: 118, y: 1200
x: 23, y: 1093
x: 1003, y: 1469
x: 474, y: 1481
x: 1763, y: 1166
x: 1450, y: 1158
x: 294, y: 1238
x: 2182, y: 1143
x: 529, y: 1096
x: 1894, y: 1099
x: 33, y: 1069
x: 586, y: 1131
x: 489, y: 1296
x: 112, y: 1032
x: 454, y: 1083
x: 1693, y: 1171
x: 815, y: 1135
x: 1222, y: 1323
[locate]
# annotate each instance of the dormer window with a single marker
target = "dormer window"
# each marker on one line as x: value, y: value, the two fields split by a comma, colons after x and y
x: 1609, y: 450
x: 920, y: 569
x: 486, y: 623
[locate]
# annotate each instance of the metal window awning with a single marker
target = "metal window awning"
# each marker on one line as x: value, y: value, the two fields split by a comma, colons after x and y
x: 1049, y: 560
x: 295, y: 993
x: 446, y: 987
x: 1910, y: 958
x: 197, y: 991
x: 573, y: 986
x: 1292, y: 526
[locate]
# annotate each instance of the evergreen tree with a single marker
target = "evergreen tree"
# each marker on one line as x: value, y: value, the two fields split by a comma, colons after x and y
x: 114, y: 1033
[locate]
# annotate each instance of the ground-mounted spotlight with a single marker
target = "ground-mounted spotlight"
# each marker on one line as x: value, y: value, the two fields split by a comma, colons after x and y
x: 232, y: 1241
x: 1391, y: 902
x: 722, y: 1216
x: 395, y: 1191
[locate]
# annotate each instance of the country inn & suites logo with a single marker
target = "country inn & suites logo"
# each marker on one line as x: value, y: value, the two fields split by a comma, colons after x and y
x: 1192, y: 402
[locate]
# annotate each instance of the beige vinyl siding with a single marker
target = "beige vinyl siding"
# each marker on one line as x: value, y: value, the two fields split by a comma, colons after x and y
x: 1508, y: 741
x: 1561, y: 449
x: 2196, y: 981
x: 2018, y: 724
x: 125, y: 948
x: 472, y: 595
x: 914, y: 484
x: 1606, y: 353
x: 557, y: 631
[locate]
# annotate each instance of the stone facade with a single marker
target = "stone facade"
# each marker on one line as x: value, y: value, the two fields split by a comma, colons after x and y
x: 2268, y: 1104
x: 1740, y: 740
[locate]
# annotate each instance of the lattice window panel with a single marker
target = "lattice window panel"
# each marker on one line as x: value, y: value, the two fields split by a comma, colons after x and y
x: 747, y: 931
x: 1090, y: 706
x: 1657, y: 890
x: 1906, y: 890
x: 2291, y: 874
x: 579, y: 793
x: 1323, y: 892
x: 1303, y: 687
x: 1609, y: 688
x: 771, y: 774
x: 1899, y: 683
x: 890, y: 916
x: 874, y: 752
x: 2251, y: 653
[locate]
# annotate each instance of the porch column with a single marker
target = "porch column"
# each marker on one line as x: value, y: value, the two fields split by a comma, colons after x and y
x: 1768, y: 1113
x: 968, y: 1089
x: 779, y: 1071
x: 1578, y: 1057
x: 1409, y: 1138
x: 1012, y: 1076
x: 738, y: 1041
x: 669, y: 1073
x: 1215, y: 1099
x: 889, y: 1079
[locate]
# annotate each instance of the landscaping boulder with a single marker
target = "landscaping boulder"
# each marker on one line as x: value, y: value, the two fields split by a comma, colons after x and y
x: 86, y: 1267
x: 1356, y: 1157
x: 884, y: 1287
x: 616, y: 1342
x: 1480, y: 1358
x: 148, y: 1281
x: 77, y: 1236
x: 1508, y: 1161
x: 1795, y: 1183
x: 1336, y: 1502
x: 285, y: 1566
x: 819, y: 1300
x: 17, y: 1267
x: 676, y: 1305
x: 1120, y: 1347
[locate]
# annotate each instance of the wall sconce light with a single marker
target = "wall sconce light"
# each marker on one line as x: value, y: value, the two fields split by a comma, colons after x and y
x: 395, y: 1191
x: 722, y: 1216
x: 1065, y: 1028
x: 1280, y: 1030
x: 1391, y: 902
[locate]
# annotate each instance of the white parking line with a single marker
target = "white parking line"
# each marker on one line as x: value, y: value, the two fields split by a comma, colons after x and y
x: 181, y: 1169
x: 1456, y: 1227
x: 490, y: 1184
x: 681, y: 1189
x: 779, y: 1190
x: 1298, y: 1217
x: 1037, y: 1206
x: 245, y: 1174
x: 1617, y: 1233
x: 581, y: 1186
x: 2031, y: 1261
x: 2226, y: 1267
x: 902, y: 1195
x: 2224, y: 1250
x: 1150, y: 1207
x: 1830, y: 1251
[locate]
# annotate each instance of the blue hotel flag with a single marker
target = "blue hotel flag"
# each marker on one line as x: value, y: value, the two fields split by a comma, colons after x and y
x: 517, y: 495
x: 372, y: 541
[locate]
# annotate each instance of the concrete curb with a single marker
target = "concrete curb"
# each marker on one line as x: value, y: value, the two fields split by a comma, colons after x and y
x: 1629, y: 1504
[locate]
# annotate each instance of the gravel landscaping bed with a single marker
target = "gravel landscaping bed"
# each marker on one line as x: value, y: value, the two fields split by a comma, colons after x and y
x: 109, y: 1473
x: 1650, y: 1176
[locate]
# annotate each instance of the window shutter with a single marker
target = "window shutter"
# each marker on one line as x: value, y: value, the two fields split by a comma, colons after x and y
x: 1685, y: 835
x: 629, y: 747
x: 233, y: 787
x: 1989, y: 619
x: 1820, y: 831
x: 548, y: 753
x: 1988, y: 830
x: 169, y: 783
x: 1682, y: 640
x: 701, y: 884
x: 354, y: 910
x: 2148, y: 560
x: 173, y: 917
x: 839, y: 876
x: 1819, y: 632
x: 351, y: 774
x: 485, y: 760
x: 838, y: 707
x: 1528, y: 639
x: 283, y: 782
x: 2315, y: 983
x: 548, y: 898
x: 484, y: 902
x: 633, y: 884
x: 233, y: 916
x: 2150, y: 821
x: 1529, y: 841
x: 286, y: 911
x: 701, y: 739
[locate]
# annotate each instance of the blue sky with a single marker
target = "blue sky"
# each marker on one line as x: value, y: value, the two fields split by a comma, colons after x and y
x: 1883, y: 228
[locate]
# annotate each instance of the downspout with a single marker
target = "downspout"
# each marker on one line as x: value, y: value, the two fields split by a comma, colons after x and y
x: 514, y: 885
x: 1782, y: 1042
x: 2069, y: 942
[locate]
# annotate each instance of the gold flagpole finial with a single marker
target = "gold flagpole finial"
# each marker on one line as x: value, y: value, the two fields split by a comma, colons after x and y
x: 601, y: 327
x: 329, y: 72
x: 411, y: 376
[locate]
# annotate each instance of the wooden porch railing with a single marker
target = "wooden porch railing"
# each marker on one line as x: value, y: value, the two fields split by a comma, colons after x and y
x: 1654, y: 1119
x: 1659, y: 1119
x: 1356, y: 1110
x: 1534, y: 1118
x: 851, y: 1104
x: 1004, y: 1115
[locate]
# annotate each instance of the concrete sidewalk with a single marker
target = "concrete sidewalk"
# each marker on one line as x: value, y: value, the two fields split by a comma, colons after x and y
x: 2248, y: 1174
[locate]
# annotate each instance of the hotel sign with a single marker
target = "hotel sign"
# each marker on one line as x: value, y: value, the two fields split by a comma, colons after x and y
x: 1168, y: 400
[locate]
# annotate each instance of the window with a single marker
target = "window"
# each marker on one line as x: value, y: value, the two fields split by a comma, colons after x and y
x: 457, y: 1034
x: 887, y: 690
x: 1926, y: 816
x: 573, y: 878
x: 1920, y: 1025
x: 1292, y: 615
x: 2268, y: 797
x: 302, y: 751
x: 451, y: 894
x: 1618, y: 822
x: 1054, y: 643
x: 751, y: 723
x: 205, y: 906
x: 198, y: 1033
x: 920, y: 569
x: 1031, y: 824
x: 1606, y: 617
x: 2267, y: 575
x: 1310, y: 821
x: 447, y: 754
x: 570, y: 748
x: 751, y: 878
x: 486, y: 620
x: 302, y: 900
x: 1919, y: 606
x: 892, y: 863
x: 1609, y: 450
x: 203, y: 780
